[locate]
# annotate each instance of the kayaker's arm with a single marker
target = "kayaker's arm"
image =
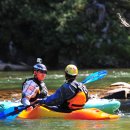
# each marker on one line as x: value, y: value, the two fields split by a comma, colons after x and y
x: 62, y: 94
x: 26, y: 95
x: 44, y: 92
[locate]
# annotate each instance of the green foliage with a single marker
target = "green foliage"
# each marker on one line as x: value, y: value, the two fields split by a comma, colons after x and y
x: 63, y: 31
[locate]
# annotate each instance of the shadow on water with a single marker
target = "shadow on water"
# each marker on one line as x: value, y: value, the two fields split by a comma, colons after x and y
x: 125, y: 106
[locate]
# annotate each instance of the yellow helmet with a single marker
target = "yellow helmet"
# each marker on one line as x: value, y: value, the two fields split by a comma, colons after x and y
x: 71, y: 70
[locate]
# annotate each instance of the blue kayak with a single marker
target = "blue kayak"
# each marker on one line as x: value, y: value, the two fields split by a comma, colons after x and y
x: 106, y: 105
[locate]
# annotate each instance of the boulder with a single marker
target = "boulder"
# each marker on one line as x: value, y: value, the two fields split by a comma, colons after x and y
x: 122, y: 91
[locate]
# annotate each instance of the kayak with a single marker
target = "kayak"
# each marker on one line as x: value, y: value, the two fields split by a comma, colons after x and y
x: 82, y: 114
x: 108, y: 106
x: 7, y: 104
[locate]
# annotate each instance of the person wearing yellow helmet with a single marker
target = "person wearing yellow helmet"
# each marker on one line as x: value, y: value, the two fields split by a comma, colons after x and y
x: 71, y: 95
x: 34, y: 88
x: 71, y: 71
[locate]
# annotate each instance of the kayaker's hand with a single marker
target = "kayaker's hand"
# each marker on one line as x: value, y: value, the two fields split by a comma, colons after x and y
x: 41, y: 101
x: 25, y: 102
x: 29, y: 108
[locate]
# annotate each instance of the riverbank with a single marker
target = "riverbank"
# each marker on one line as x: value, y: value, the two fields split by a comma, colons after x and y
x: 15, y: 94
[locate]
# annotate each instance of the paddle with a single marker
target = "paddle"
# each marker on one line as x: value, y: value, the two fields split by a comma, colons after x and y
x: 95, y: 76
x: 12, y: 112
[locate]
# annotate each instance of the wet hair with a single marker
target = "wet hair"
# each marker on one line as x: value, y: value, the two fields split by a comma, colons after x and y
x: 70, y: 77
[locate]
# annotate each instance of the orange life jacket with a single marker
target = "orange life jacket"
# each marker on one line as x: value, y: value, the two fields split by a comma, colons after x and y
x: 78, y: 101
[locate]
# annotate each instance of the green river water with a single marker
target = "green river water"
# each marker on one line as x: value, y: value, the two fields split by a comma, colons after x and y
x: 12, y: 80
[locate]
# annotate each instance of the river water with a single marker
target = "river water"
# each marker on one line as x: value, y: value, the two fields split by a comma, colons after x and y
x: 61, y: 124
x: 123, y: 123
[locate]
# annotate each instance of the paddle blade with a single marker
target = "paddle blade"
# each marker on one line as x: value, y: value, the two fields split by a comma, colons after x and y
x: 95, y: 76
x: 11, y: 112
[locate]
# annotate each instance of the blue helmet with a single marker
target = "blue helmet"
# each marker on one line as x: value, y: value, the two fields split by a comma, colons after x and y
x: 40, y: 67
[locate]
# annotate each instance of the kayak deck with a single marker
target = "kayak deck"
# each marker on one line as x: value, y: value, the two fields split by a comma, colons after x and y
x: 108, y: 106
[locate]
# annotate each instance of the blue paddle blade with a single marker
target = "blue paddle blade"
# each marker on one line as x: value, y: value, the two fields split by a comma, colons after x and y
x: 12, y: 112
x: 95, y: 76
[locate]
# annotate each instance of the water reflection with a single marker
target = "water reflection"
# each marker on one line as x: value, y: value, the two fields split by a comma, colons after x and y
x: 60, y: 124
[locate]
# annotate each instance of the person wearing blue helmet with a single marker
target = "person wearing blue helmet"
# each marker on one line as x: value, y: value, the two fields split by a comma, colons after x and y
x: 34, y: 88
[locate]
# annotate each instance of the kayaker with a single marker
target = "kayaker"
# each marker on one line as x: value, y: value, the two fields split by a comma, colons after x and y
x: 34, y: 88
x: 71, y: 95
